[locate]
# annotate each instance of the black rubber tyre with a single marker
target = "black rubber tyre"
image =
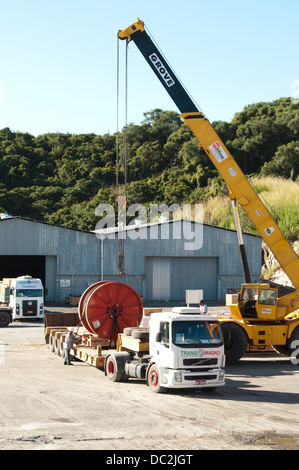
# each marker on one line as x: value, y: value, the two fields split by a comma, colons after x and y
x: 57, y: 346
x: 293, y: 346
x: 52, y: 343
x: 128, y: 331
x: 62, y: 347
x: 235, y: 342
x: 4, y: 319
x: 112, y: 371
x: 290, y: 348
x: 281, y: 349
x: 140, y: 334
x: 154, y: 379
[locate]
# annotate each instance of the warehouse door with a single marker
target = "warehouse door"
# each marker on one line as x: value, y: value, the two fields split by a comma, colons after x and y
x: 14, y: 266
x: 168, y: 278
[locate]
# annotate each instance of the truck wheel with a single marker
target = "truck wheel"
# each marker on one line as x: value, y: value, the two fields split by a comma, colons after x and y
x: 154, y: 380
x: 235, y: 342
x: 4, y: 319
x: 112, y: 370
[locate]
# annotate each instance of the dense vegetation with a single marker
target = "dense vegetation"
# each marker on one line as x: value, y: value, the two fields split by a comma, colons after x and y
x: 61, y: 178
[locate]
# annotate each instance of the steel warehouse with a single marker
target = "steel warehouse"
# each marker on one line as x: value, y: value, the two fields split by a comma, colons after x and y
x: 161, y: 260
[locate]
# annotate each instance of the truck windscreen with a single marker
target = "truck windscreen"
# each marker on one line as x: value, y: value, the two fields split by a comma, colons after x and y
x: 196, y: 334
x: 29, y: 292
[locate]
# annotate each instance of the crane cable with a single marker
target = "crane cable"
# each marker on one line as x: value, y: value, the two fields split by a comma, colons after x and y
x: 117, y: 114
x: 124, y: 158
x: 121, y: 200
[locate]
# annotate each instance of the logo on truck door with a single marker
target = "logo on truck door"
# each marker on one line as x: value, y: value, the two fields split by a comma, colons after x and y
x: 161, y: 69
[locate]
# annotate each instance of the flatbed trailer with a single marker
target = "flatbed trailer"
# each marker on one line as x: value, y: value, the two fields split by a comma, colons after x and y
x: 93, y: 350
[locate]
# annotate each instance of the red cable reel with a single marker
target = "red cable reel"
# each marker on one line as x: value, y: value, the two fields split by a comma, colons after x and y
x: 107, y: 307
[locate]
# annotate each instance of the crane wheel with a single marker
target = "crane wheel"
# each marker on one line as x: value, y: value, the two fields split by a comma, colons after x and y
x: 290, y: 347
x: 235, y: 342
x: 293, y: 344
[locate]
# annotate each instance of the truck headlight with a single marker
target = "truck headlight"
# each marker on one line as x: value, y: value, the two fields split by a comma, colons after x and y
x: 178, y: 377
x: 17, y: 309
x: 221, y: 375
x: 41, y: 309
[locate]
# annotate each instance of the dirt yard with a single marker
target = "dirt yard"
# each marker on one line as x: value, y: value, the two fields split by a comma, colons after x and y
x: 46, y: 405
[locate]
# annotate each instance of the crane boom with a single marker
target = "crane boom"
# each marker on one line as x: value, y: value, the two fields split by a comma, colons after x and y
x: 239, y: 187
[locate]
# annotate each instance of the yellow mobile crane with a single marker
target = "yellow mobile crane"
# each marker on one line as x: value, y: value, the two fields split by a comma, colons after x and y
x: 260, y: 317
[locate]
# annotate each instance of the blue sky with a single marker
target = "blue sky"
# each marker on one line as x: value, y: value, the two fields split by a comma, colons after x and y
x: 58, y: 59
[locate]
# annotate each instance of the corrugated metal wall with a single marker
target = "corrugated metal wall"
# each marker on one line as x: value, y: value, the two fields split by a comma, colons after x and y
x: 69, y: 253
x: 169, y: 278
x: 76, y: 256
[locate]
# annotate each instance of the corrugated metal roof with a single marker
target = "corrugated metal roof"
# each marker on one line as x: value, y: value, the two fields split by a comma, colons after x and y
x: 110, y: 230
x: 7, y: 219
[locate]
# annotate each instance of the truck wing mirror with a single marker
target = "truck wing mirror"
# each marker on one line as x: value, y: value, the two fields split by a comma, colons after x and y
x: 159, y: 337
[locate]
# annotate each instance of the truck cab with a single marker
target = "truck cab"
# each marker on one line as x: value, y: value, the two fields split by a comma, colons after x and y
x: 181, y: 349
x: 26, y: 298
x: 186, y: 347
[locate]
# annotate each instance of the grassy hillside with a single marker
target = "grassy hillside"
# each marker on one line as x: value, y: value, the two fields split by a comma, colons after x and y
x: 280, y: 196
x: 62, y: 178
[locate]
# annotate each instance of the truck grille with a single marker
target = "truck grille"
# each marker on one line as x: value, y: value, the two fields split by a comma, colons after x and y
x: 200, y: 377
x: 200, y: 362
x: 29, y: 308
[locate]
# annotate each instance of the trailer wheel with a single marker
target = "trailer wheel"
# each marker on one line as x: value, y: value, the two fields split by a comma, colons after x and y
x: 52, y: 343
x: 4, y: 319
x: 112, y: 371
x: 235, y: 342
x: 57, y: 346
x: 154, y: 379
x: 62, y: 348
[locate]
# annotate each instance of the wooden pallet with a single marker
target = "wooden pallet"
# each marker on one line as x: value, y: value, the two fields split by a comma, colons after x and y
x: 128, y: 343
x: 91, y: 355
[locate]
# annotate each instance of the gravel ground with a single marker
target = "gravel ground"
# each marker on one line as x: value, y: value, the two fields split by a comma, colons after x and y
x: 48, y: 406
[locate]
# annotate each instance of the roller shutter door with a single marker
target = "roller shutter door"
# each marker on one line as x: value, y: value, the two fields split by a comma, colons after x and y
x: 168, y: 278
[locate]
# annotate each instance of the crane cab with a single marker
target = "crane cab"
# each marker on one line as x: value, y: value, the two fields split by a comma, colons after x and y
x: 258, y: 302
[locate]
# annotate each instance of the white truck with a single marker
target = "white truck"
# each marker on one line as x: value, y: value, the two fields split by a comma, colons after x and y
x: 179, y: 349
x: 21, y: 298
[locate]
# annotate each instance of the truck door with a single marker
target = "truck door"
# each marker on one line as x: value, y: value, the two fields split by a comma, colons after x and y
x: 162, y: 345
x: 266, y: 306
